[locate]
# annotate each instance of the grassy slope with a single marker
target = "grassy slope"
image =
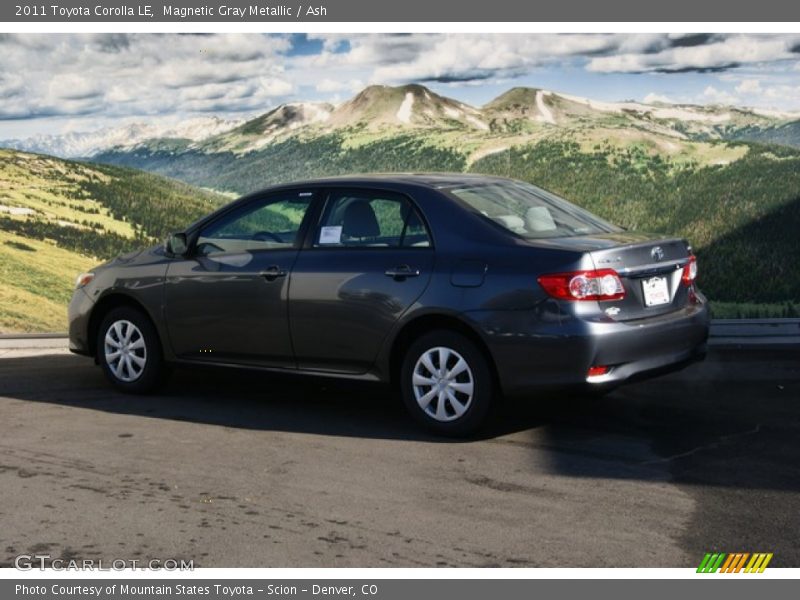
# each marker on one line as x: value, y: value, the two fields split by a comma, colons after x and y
x: 58, y: 218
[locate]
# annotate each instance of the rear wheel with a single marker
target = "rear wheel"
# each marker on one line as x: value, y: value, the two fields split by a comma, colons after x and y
x: 446, y: 383
x: 129, y: 351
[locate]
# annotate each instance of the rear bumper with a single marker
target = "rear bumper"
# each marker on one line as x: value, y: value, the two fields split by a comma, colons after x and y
x: 535, y: 350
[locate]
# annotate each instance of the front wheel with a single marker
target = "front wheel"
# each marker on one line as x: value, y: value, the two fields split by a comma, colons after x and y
x: 129, y: 351
x: 446, y: 383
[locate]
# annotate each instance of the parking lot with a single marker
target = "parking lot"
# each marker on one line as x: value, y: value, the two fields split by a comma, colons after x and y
x: 241, y: 469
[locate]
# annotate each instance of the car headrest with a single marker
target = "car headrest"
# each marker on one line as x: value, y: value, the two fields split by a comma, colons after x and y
x: 359, y: 221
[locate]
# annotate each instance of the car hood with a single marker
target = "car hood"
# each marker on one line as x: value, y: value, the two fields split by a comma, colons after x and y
x: 135, y: 257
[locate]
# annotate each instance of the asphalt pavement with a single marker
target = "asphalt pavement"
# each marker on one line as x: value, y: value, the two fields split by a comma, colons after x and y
x: 241, y: 469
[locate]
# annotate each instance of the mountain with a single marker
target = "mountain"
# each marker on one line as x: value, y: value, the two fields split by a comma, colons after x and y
x: 59, y: 217
x: 409, y: 106
x: 377, y: 108
x: 87, y: 144
x: 319, y: 138
x: 726, y: 178
x: 708, y: 173
x: 269, y: 127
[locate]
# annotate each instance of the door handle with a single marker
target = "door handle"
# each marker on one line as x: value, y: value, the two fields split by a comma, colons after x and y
x: 402, y: 272
x: 272, y: 272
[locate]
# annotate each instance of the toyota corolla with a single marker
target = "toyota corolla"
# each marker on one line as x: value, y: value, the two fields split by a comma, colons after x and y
x: 455, y: 289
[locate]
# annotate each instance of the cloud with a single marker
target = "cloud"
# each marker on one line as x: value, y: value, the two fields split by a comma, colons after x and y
x: 114, y: 76
x: 653, y: 98
x: 328, y: 85
x: 71, y: 86
x: 716, y: 96
x: 140, y: 74
x: 716, y: 53
x: 749, y: 86
x: 465, y: 57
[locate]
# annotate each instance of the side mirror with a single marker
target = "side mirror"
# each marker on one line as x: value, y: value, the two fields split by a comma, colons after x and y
x: 176, y: 244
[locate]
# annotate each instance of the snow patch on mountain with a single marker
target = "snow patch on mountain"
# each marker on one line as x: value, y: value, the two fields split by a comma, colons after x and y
x: 405, y: 110
x: 684, y: 113
x: 545, y: 114
x: 775, y: 114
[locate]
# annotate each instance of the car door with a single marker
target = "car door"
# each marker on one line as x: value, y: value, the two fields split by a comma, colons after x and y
x: 370, y: 257
x: 227, y: 301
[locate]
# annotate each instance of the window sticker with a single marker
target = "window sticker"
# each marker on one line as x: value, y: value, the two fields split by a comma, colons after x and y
x: 331, y: 234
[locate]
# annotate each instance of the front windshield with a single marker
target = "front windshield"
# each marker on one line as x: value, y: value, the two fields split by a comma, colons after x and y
x: 529, y: 211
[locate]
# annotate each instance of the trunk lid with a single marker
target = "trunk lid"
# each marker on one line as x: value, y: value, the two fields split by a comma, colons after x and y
x: 649, y: 265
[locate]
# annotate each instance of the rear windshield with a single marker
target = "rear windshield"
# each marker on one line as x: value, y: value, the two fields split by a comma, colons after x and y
x: 529, y: 211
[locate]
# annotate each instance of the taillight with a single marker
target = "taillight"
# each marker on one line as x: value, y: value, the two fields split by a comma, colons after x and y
x: 690, y: 270
x: 598, y: 371
x: 602, y: 284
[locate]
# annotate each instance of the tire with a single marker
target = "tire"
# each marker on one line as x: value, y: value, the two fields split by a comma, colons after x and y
x: 440, y: 402
x: 135, y: 366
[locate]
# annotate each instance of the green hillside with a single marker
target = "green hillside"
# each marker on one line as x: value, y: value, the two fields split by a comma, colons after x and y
x: 59, y: 217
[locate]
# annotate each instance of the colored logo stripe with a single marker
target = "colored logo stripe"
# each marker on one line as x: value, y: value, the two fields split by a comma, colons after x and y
x: 711, y: 562
x: 734, y: 562
x: 758, y: 563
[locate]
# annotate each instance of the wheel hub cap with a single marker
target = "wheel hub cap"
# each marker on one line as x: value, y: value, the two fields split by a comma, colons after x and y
x: 125, y: 351
x: 443, y: 384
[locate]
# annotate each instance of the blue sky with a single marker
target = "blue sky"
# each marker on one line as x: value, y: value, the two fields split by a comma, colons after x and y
x: 57, y: 83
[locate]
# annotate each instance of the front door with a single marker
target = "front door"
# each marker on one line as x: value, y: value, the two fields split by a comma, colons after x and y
x: 370, y: 259
x: 227, y: 302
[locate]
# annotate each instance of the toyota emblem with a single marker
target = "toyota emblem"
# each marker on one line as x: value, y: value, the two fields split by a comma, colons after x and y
x: 657, y: 253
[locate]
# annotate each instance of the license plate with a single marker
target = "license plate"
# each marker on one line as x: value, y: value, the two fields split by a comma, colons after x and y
x: 655, y: 291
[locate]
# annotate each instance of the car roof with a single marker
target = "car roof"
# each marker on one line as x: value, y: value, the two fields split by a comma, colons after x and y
x: 432, y: 180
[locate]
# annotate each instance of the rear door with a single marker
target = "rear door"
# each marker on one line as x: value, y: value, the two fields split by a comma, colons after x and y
x: 370, y: 257
x: 650, y: 268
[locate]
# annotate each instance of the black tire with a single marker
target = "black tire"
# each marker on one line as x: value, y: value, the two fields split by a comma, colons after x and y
x: 481, y: 402
x: 154, y: 372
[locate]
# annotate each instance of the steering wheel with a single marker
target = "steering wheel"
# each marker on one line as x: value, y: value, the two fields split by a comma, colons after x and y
x: 263, y: 236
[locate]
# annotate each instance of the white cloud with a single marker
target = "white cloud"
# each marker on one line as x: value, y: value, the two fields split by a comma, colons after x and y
x: 337, y: 85
x: 719, y: 53
x: 101, y: 77
x: 653, y: 97
x: 140, y: 74
x: 716, y: 96
x: 749, y: 86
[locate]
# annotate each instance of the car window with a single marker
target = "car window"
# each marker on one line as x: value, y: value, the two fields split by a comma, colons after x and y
x: 529, y: 211
x: 372, y: 219
x: 268, y: 224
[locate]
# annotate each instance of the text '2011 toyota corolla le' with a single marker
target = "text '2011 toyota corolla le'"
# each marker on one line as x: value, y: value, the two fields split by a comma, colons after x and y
x: 454, y: 288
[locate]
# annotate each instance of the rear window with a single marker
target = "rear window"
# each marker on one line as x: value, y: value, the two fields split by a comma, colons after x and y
x: 529, y: 211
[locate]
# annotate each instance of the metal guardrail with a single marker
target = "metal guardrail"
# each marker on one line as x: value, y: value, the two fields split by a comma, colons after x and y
x: 32, y: 336
x: 734, y: 333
